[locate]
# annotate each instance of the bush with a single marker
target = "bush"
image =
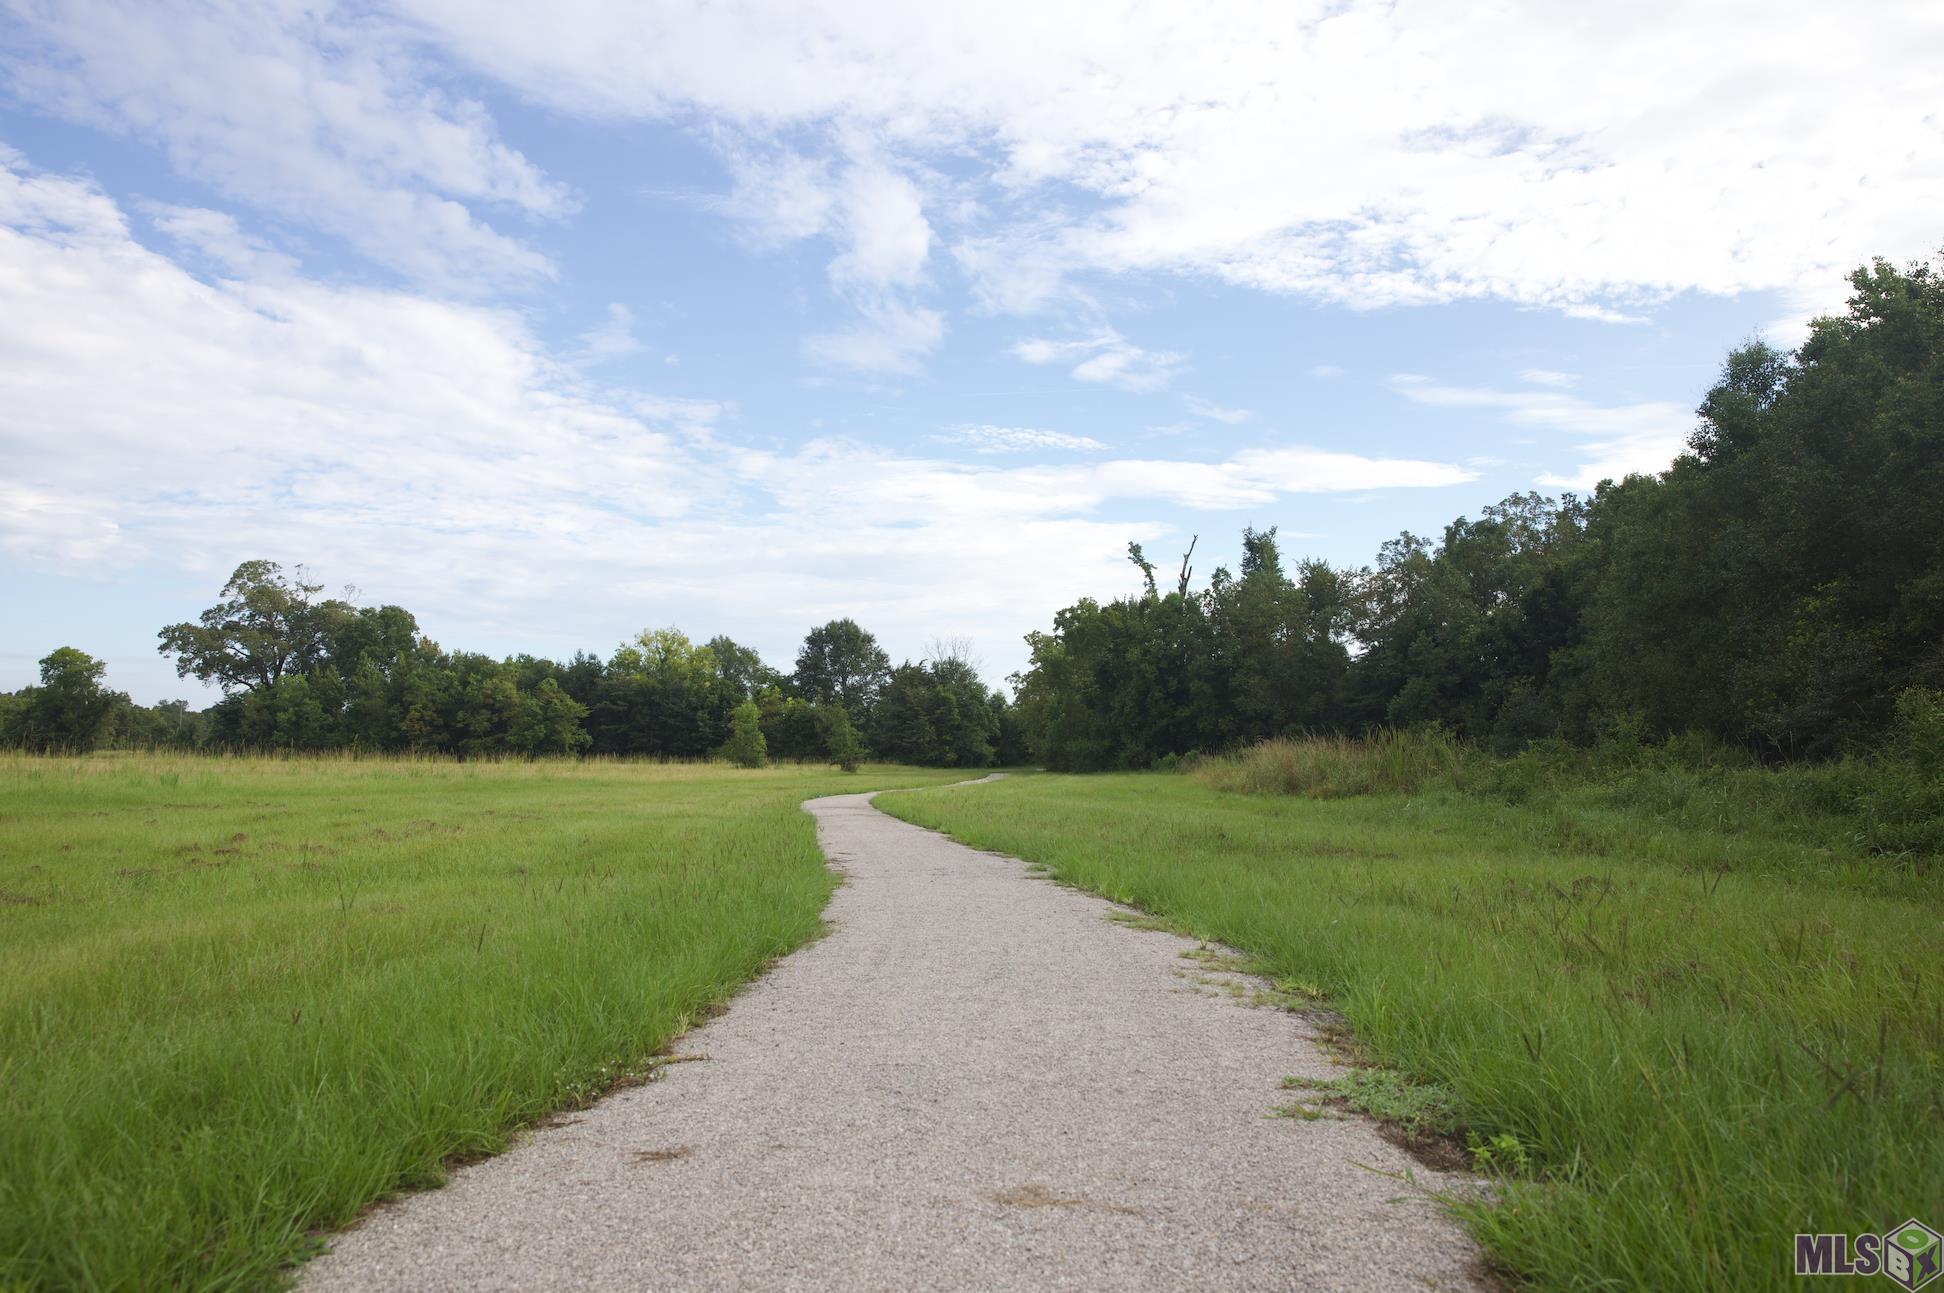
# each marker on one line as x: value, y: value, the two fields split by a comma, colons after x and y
x: 1388, y: 761
x: 1920, y: 730
x: 841, y: 739
x: 746, y: 747
x: 1902, y: 804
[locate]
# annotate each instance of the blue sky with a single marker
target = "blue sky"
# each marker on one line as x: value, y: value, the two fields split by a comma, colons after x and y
x: 552, y: 323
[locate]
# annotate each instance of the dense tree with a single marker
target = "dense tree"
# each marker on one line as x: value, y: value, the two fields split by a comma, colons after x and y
x: 1145, y: 677
x: 302, y: 673
x: 267, y: 626
x: 742, y: 670
x: 745, y: 747
x: 935, y: 712
x: 169, y: 724
x: 792, y: 727
x: 70, y: 710
x: 663, y: 695
x: 1785, y: 580
x: 839, y: 663
x: 840, y: 738
x: 1453, y: 633
x: 1780, y: 586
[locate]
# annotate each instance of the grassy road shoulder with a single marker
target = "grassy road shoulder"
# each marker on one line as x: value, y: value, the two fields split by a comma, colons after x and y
x: 1695, y: 1043
x: 242, y: 998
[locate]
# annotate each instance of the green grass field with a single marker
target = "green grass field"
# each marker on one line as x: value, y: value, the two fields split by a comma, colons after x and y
x: 242, y: 998
x: 1687, y: 1035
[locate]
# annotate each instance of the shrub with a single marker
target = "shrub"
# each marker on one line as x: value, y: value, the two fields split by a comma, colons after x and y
x: 1902, y: 802
x: 841, y: 739
x: 746, y: 747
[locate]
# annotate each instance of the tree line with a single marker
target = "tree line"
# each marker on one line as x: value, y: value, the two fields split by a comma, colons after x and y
x: 304, y: 672
x: 1780, y: 587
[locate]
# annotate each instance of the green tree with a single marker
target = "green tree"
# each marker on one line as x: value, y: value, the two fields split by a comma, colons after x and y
x: 1453, y: 631
x: 551, y: 722
x: 1784, y: 580
x: 745, y: 747
x: 742, y: 671
x: 266, y: 627
x: 792, y: 726
x: 902, y: 726
x: 70, y: 710
x: 1011, y: 739
x: 662, y: 695
x: 839, y: 663
x: 845, y: 746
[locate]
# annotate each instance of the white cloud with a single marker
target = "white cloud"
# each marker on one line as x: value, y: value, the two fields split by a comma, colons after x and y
x: 1549, y: 377
x: 437, y: 455
x: 1014, y: 273
x: 1202, y: 408
x: 1105, y: 357
x: 779, y: 196
x: 613, y: 338
x: 993, y: 439
x: 890, y: 337
x: 311, y: 111
x: 874, y: 217
x: 887, y: 239
x: 1492, y: 152
x: 1326, y: 371
x: 1615, y: 440
x: 219, y: 239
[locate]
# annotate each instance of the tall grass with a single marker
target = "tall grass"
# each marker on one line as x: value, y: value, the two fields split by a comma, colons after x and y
x: 1330, y: 767
x: 1705, y: 1020
x: 242, y: 998
x: 1891, y: 804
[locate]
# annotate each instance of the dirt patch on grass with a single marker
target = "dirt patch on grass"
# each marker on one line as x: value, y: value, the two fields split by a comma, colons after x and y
x: 1439, y: 1151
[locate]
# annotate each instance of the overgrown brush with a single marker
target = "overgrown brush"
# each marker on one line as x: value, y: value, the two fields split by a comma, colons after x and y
x: 1891, y: 802
x: 1389, y: 761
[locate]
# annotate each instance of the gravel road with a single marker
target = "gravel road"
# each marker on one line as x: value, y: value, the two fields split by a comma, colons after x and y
x: 977, y: 1081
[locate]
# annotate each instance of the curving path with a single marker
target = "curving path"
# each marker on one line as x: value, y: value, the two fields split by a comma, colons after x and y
x: 976, y: 1081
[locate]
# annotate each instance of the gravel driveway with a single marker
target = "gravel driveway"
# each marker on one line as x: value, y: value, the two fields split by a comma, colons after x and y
x: 977, y: 1081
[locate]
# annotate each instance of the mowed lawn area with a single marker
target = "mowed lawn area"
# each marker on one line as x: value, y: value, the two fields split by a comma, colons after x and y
x: 1680, y: 1044
x: 242, y: 998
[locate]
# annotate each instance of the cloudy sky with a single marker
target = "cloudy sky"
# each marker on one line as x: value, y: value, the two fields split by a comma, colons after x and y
x: 551, y: 322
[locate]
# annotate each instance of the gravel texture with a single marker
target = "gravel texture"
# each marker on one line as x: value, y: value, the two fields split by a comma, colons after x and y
x: 977, y: 1081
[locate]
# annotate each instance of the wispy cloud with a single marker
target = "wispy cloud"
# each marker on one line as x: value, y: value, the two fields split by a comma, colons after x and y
x: 872, y: 214
x: 219, y: 239
x: 1613, y: 440
x: 889, y: 337
x: 1033, y: 149
x: 1492, y: 157
x: 316, y: 115
x: 1106, y: 357
x: 994, y: 439
x: 613, y: 338
x: 1202, y: 408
